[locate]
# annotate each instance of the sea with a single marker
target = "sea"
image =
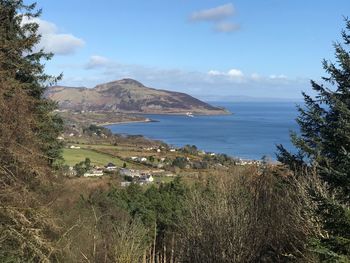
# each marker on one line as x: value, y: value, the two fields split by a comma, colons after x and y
x: 252, y: 130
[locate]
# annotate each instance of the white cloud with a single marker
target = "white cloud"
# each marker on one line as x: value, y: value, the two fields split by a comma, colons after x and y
x: 45, y: 27
x: 216, y: 13
x: 215, y: 73
x: 237, y: 76
x: 218, y: 16
x: 226, y: 27
x: 61, y: 44
x: 232, y: 74
x: 54, y: 41
x: 281, y: 77
x: 212, y: 85
x: 255, y: 76
x: 98, y: 62
x: 235, y: 73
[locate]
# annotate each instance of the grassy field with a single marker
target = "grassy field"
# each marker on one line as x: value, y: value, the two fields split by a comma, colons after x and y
x: 73, y: 156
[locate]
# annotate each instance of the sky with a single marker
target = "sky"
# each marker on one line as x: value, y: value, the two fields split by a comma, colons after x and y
x: 211, y: 49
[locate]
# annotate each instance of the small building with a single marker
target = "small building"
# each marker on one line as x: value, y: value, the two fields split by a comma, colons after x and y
x: 125, y: 172
x: 93, y: 173
x: 111, y: 167
x: 125, y: 184
x: 71, y: 172
x: 129, y: 172
x: 74, y: 147
x: 146, y: 178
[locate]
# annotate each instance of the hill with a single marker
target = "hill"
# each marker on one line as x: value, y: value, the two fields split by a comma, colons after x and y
x: 129, y: 96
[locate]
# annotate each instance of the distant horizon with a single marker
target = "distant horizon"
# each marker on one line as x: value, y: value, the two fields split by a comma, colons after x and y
x: 255, y: 99
x: 231, y: 98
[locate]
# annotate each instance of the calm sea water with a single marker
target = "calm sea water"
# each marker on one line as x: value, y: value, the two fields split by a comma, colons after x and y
x: 252, y: 131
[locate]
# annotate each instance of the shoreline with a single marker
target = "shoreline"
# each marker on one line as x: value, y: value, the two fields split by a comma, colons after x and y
x: 126, y: 122
x: 183, y: 113
x: 146, y: 120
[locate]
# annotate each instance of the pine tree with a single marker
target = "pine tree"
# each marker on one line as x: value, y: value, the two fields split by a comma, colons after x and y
x: 21, y: 64
x: 324, y: 146
x: 28, y: 132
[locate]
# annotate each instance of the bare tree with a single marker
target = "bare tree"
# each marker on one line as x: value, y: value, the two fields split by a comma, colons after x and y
x: 250, y: 217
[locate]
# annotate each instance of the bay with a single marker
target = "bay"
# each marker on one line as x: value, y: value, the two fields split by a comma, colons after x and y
x: 252, y: 131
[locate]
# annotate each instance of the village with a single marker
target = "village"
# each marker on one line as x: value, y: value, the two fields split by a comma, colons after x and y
x: 148, y: 162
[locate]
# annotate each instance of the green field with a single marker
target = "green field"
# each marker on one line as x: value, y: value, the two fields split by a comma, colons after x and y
x: 73, y: 156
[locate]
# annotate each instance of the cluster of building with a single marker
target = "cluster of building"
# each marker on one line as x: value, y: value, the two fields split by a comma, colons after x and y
x: 138, y: 159
x: 159, y: 149
x: 136, y: 176
x: 155, y: 162
x: 98, y: 171
x: 248, y: 162
x: 140, y: 177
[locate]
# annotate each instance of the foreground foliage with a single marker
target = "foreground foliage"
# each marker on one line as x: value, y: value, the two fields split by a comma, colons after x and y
x: 27, y: 140
x: 256, y: 215
x: 323, y: 149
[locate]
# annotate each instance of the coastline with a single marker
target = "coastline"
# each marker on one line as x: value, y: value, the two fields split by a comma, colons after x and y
x: 146, y: 120
x: 184, y: 113
x: 126, y: 122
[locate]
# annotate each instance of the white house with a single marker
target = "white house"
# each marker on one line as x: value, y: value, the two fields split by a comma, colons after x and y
x: 111, y: 167
x: 93, y: 173
x: 129, y: 172
x: 146, y: 178
x: 71, y: 171
x: 74, y: 147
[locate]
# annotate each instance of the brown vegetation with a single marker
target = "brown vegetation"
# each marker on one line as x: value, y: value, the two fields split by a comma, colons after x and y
x: 248, y: 217
x: 26, y: 227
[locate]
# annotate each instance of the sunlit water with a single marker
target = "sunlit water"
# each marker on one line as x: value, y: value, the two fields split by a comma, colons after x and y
x: 253, y: 130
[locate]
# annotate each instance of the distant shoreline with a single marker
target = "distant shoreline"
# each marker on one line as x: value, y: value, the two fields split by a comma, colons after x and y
x: 160, y: 113
x: 126, y: 122
x: 185, y: 113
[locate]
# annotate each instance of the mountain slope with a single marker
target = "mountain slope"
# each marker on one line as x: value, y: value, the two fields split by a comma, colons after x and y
x: 129, y: 96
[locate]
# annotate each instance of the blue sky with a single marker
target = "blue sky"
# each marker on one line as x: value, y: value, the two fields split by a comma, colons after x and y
x: 211, y: 49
